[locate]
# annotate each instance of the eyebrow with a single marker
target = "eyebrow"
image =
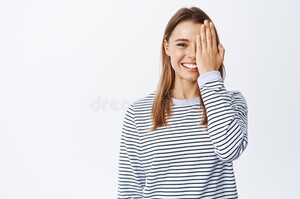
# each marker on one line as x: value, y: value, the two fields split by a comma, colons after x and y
x: 181, y: 40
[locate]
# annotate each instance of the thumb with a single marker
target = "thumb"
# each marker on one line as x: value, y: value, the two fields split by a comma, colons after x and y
x: 221, y: 51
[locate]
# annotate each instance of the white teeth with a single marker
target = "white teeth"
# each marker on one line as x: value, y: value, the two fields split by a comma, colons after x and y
x: 190, y: 65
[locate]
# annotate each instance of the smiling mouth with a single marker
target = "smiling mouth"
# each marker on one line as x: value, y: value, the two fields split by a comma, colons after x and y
x: 192, y: 66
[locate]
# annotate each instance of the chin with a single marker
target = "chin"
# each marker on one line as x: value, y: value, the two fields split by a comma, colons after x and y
x: 190, y: 78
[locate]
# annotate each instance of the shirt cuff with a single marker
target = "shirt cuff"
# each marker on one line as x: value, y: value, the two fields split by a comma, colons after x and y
x: 209, y: 77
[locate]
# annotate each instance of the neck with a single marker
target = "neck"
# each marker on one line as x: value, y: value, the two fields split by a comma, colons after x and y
x: 184, y: 89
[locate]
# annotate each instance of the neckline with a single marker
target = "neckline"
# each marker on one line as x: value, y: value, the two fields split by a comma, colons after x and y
x: 186, y: 102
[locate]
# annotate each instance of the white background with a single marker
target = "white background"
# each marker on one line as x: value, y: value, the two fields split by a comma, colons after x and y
x: 69, y: 69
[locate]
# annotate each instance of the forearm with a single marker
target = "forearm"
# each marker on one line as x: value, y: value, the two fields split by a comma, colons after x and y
x: 227, y: 116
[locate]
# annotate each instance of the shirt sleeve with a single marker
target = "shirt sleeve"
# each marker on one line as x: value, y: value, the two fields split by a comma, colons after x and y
x: 227, y: 116
x: 131, y: 177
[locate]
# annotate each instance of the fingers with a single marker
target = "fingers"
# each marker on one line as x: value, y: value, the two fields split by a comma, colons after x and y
x: 203, y: 37
x: 213, y: 35
x: 210, y: 54
x: 221, y: 51
x: 208, y: 34
x: 198, y: 44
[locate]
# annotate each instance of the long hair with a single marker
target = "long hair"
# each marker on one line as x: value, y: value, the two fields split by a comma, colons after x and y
x: 161, y: 108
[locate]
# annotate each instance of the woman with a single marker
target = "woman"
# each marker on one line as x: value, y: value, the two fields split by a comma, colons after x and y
x: 180, y: 141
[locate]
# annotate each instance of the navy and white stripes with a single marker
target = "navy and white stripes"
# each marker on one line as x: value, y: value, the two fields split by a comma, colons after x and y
x: 184, y: 159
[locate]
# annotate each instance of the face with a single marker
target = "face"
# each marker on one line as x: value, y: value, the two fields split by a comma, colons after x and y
x: 181, y: 48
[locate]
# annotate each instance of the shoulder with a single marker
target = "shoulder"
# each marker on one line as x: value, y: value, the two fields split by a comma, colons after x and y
x: 139, y: 111
x: 143, y: 103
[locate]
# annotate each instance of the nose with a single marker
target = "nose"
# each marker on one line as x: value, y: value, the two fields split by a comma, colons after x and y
x: 191, y: 51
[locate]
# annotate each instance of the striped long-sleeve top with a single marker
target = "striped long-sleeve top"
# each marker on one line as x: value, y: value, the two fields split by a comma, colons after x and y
x: 184, y: 159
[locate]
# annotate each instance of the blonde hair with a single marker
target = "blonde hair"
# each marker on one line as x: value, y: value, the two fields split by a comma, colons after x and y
x: 161, y: 107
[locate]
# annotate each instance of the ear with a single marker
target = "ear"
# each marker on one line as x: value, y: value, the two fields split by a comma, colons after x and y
x: 166, y: 46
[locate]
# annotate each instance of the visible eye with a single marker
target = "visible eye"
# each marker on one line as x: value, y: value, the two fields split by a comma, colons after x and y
x: 181, y: 45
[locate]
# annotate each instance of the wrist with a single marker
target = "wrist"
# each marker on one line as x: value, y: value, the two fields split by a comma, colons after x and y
x: 209, y: 76
x: 203, y: 71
